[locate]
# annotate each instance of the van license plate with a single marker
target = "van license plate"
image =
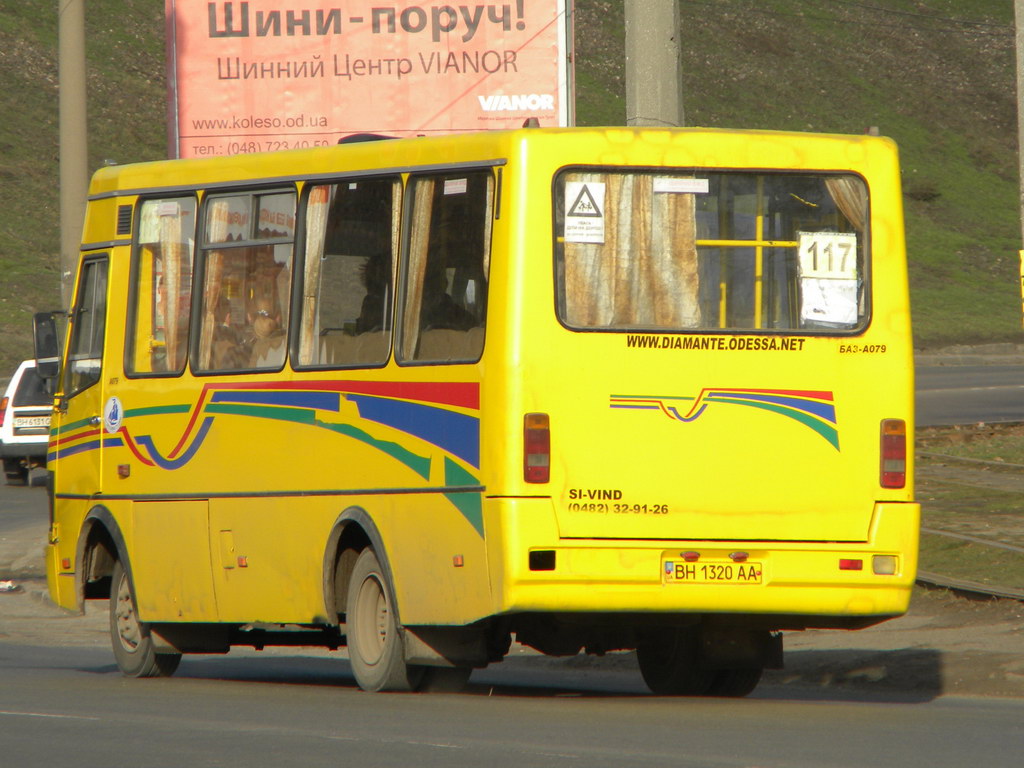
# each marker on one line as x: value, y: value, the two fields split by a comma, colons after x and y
x: 711, y: 572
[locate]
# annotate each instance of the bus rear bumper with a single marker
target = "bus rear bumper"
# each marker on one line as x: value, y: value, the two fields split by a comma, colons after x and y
x: 800, y: 584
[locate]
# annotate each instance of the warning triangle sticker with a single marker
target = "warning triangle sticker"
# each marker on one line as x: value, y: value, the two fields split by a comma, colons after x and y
x: 585, y: 205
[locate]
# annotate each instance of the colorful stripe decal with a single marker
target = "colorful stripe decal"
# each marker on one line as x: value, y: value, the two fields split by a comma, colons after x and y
x: 147, y: 442
x: 424, y: 412
x: 812, y: 408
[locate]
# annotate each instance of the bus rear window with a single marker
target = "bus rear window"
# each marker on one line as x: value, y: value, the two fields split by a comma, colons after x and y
x: 684, y: 251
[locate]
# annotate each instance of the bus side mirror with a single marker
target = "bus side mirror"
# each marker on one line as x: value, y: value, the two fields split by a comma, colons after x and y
x: 44, y: 337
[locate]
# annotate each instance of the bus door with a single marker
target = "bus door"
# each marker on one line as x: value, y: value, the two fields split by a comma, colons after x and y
x: 81, y: 425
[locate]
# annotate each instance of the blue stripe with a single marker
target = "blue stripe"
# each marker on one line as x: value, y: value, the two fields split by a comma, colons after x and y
x: 456, y: 433
x: 324, y: 401
x: 71, y: 450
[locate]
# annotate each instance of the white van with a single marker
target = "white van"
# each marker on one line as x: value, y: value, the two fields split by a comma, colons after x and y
x: 24, y: 423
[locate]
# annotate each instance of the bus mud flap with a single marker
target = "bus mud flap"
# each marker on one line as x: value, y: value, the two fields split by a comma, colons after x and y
x: 446, y: 646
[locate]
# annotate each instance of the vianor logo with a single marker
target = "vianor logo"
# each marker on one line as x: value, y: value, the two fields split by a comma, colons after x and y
x: 520, y: 102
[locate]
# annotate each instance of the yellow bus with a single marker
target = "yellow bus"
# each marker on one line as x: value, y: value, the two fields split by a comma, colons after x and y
x: 589, y: 389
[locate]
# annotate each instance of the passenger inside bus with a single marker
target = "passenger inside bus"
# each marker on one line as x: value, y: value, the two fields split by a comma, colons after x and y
x: 376, y: 278
x: 229, y: 349
x: 268, y: 337
x: 440, y: 310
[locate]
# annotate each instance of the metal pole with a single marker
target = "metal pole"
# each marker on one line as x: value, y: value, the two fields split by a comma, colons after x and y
x: 654, y: 71
x: 74, y: 164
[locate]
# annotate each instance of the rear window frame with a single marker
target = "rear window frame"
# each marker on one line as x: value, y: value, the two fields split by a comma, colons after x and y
x: 865, y: 290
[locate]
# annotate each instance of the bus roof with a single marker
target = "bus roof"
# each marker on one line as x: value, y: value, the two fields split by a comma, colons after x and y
x: 685, y: 147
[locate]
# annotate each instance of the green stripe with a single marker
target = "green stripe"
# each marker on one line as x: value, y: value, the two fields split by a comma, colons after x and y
x: 418, y: 464
x: 156, y: 410
x: 72, y: 426
x: 467, y: 502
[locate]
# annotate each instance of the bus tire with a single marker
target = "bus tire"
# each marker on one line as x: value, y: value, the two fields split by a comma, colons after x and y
x: 375, y: 648
x: 133, y: 646
x: 671, y: 666
x: 735, y: 683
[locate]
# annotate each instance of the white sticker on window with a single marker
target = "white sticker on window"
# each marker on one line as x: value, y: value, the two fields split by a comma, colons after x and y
x: 455, y: 186
x: 824, y: 300
x: 584, y: 212
x: 828, y: 255
x: 828, y: 277
x: 168, y: 208
x: 681, y: 186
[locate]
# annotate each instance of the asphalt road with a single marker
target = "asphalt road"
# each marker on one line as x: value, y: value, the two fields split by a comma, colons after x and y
x: 968, y: 394
x: 69, y: 706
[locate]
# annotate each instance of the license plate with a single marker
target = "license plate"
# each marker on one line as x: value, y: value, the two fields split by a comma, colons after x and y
x: 711, y: 572
x: 31, y: 421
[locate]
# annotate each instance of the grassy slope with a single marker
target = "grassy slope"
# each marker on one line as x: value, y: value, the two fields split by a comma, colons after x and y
x: 126, y: 87
x: 943, y: 90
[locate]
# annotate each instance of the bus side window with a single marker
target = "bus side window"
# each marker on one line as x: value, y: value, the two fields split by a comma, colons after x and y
x: 447, y: 264
x: 85, y: 352
x: 351, y: 247
x: 162, y: 286
x: 246, y: 261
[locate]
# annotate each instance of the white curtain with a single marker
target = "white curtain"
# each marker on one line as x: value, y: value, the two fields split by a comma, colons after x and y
x: 317, y: 209
x: 217, y: 216
x: 851, y: 197
x: 419, y: 243
x: 174, y: 252
x: 644, y: 274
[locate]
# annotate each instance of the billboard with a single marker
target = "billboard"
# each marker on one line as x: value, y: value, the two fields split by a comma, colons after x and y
x: 262, y: 75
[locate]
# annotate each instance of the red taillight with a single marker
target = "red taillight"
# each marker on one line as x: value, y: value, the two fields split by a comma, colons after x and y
x: 536, y: 448
x: 3, y: 410
x: 894, y: 453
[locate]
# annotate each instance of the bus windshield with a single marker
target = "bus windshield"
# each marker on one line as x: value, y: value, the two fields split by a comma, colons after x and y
x: 732, y: 250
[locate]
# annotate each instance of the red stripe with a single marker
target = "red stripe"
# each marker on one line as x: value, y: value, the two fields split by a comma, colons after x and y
x: 795, y: 392
x: 461, y: 394
x: 192, y: 421
x: 78, y: 436
x: 133, y: 448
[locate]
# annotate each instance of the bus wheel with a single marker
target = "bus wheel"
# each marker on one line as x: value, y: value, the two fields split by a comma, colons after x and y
x: 670, y: 664
x: 133, y: 645
x: 735, y: 683
x: 375, y: 648
x: 444, y: 679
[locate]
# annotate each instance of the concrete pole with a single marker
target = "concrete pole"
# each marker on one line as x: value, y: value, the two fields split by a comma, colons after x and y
x: 654, y: 71
x: 74, y: 163
x: 1018, y: 12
